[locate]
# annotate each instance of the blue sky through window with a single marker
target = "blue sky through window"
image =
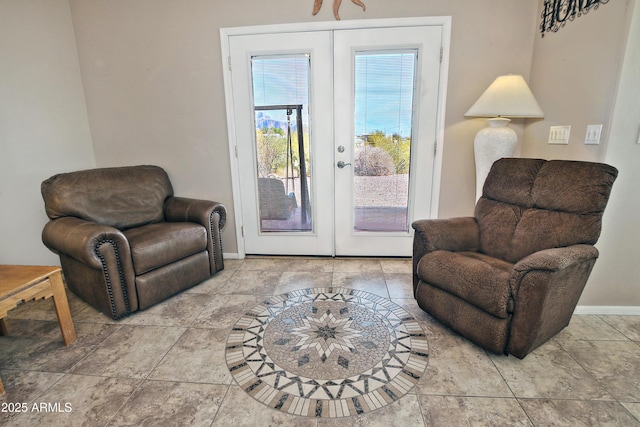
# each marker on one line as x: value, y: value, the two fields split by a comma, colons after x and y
x: 280, y: 80
x: 384, y: 93
x: 384, y: 86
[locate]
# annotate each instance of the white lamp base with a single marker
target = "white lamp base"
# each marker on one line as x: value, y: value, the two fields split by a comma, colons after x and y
x: 492, y: 143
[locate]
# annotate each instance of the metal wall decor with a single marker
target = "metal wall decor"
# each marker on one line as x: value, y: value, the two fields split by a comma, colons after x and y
x: 556, y: 13
x: 336, y: 6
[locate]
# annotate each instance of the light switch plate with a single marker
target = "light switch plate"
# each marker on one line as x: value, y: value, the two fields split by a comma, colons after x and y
x: 559, y: 134
x: 593, y: 134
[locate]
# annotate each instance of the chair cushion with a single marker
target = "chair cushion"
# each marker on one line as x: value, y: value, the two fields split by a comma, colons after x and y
x: 479, y: 279
x: 531, y: 204
x: 121, y: 197
x: 159, y: 244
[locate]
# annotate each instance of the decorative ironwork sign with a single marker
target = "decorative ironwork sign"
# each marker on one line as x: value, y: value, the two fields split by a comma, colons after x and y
x: 556, y: 13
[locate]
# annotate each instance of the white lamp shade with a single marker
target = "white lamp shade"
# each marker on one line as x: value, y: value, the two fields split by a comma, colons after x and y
x: 508, y: 96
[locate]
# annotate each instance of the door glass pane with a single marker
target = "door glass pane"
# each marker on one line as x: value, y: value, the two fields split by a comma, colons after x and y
x: 283, y: 170
x: 384, y: 92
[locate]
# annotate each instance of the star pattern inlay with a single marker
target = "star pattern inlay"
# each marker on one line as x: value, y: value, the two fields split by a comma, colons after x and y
x: 326, y: 334
x: 379, y: 352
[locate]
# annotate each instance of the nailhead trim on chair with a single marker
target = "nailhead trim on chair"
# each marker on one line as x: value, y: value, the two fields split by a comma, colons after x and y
x: 213, y: 242
x: 108, y: 279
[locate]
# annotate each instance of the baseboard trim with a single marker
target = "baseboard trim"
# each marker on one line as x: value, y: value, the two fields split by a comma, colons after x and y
x: 619, y: 310
x: 226, y: 255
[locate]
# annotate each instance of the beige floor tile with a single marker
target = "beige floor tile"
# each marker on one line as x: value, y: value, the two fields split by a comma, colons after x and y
x: 549, y: 372
x: 23, y: 388
x: 614, y: 364
x: 354, y: 265
x: 161, y: 403
x: 458, y: 367
x: 454, y: 411
x: 91, y: 334
x: 78, y: 400
x: 180, y: 310
x: 372, y: 282
x: 401, y: 265
x: 267, y: 264
x: 213, y: 285
x: 296, y: 280
x: 577, y: 413
x: 88, y: 314
x: 224, y: 310
x: 232, y: 264
x: 256, y: 282
x: 38, y: 345
x: 589, y: 327
x: 196, y: 358
x: 633, y: 408
x: 131, y: 352
x: 318, y: 265
x: 629, y: 326
x: 399, y: 285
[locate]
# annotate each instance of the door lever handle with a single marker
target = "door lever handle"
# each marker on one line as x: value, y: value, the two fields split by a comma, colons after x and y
x: 342, y: 164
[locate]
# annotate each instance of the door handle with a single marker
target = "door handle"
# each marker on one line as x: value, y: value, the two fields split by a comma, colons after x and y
x: 342, y: 164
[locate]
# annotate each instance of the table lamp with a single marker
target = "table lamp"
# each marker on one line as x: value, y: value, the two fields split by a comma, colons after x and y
x: 507, y: 97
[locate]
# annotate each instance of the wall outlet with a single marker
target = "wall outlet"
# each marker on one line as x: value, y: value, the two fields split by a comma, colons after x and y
x: 593, y: 134
x: 559, y: 134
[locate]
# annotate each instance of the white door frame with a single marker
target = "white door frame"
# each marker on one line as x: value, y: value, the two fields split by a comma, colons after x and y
x: 444, y: 22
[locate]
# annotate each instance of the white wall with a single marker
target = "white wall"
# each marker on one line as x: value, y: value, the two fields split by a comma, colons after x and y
x: 616, y: 276
x: 576, y: 77
x: 43, y: 120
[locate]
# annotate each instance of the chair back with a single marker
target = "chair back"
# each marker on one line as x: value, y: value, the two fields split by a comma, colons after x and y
x: 529, y: 205
x: 121, y: 197
x: 274, y: 202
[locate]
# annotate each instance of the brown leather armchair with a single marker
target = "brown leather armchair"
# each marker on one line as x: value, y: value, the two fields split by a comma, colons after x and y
x: 509, y: 278
x: 125, y: 243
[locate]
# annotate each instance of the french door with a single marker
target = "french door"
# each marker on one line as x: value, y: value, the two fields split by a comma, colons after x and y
x: 333, y: 133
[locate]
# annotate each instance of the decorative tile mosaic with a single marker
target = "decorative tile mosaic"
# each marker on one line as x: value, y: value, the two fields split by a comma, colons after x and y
x: 327, y: 352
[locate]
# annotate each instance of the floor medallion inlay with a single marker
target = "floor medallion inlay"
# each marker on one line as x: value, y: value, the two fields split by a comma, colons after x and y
x: 327, y: 352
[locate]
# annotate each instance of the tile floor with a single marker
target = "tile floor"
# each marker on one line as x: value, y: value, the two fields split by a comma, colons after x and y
x: 166, y: 365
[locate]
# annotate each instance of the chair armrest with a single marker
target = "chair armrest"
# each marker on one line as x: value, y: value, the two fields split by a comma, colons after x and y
x: 556, y: 258
x: 96, y: 262
x: 546, y: 287
x: 211, y: 215
x: 182, y: 209
x: 80, y: 239
x: 451, y: 234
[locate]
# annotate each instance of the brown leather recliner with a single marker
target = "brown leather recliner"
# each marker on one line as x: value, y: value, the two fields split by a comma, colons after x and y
x: 125, y: 243
x: 509, y: 278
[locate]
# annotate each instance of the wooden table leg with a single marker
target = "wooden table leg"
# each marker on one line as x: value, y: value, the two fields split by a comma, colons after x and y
x: 4, y: 331
x: 62, y: 308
